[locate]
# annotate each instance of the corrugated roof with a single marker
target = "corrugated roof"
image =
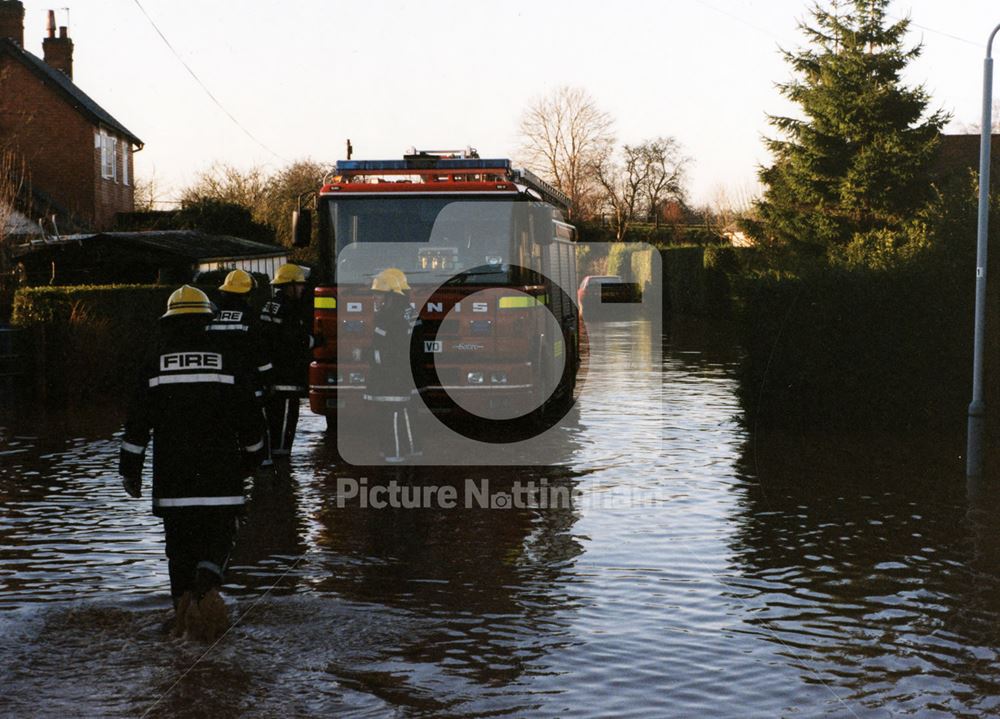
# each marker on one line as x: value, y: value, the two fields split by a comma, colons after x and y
x: 76, y: 97
x: 188, y: 244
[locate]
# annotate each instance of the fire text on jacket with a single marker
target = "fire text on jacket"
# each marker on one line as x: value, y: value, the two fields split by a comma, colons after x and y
x: 186, y: 360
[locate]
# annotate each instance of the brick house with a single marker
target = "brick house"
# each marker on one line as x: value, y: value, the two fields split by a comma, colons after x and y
x: 78, y: 155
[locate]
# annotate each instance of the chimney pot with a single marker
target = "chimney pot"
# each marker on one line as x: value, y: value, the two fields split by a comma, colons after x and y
x: 58, y: 51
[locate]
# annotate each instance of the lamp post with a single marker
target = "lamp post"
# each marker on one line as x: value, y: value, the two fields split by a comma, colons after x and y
x: 977, y: 408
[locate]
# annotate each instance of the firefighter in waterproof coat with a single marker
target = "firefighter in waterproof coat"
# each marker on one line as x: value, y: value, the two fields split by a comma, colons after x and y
x: 390, y: 379
x: 286, y: 320
x: 237, y: 325
x: 198, y: 404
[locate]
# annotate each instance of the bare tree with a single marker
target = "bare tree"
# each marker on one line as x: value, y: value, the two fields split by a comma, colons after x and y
x: 270, y: 198
x: 645, y: 176
x: 563, y: 135
x: 146, y: 193
x: 665, y: 173
x: 623, y: 182
x: 13, y: 184
x: 283, y: 190
x: 228, y: 183
x: 15, y: 189
x: 731, y: 203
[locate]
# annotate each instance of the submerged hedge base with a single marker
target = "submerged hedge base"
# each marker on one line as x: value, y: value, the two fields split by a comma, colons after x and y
x: 88, y: 341
x: 862, y: 350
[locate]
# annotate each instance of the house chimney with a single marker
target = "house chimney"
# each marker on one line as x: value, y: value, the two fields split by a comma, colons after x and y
x: 12, y: 21
x: 58, y: 51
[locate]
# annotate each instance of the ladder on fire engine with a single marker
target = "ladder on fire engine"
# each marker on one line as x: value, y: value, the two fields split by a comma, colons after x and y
x: 547, y: 192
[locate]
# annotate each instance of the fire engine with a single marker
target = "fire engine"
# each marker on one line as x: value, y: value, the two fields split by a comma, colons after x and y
x: 491, y: 264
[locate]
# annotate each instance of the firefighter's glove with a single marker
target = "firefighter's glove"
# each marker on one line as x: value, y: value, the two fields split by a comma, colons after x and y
x: 132, y: 485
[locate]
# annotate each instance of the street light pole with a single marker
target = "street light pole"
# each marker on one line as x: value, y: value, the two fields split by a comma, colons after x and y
x: 977, y: 408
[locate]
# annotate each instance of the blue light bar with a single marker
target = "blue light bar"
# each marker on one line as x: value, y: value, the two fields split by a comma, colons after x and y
x: 429, y: 163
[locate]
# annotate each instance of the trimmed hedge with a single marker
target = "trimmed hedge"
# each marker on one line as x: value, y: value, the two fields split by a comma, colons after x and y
x: 88, y: 341
x: 697, y: 280
x: 701, y: 281
x: 663, y: 236
x: 859, y: 350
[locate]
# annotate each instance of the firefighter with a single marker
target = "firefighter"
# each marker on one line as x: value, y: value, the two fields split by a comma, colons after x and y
x: 196, y: 400
x: 286, y: 321
x: 390, y: 379
x: 238, y: 325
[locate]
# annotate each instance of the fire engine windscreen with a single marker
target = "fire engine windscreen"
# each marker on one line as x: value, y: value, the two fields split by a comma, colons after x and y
x: 437, y: 240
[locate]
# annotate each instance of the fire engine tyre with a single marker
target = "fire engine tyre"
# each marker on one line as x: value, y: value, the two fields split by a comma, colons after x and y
x: 516, y: 429
x: 554, y: 394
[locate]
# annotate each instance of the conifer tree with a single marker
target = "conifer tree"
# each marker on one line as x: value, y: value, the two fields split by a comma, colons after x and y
x: 856, y: 160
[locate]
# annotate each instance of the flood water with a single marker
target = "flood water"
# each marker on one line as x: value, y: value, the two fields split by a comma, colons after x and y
x: 699, y: 571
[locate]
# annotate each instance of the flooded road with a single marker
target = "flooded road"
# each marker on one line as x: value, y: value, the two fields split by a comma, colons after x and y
x: 697, y: 572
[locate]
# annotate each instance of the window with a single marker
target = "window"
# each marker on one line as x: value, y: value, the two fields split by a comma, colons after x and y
x: 125, y: 148
x: 109, y: 156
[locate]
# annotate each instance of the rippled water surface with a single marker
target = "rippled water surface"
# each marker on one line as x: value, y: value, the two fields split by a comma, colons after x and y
x: 698, y: 572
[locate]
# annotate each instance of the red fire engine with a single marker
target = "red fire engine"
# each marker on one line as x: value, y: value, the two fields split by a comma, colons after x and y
x: 492, y: 267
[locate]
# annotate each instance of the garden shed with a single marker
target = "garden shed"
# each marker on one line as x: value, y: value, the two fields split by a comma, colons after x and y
x: 165, y: 256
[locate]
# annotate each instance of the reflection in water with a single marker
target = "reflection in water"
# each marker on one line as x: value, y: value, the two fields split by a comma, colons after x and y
x: 483, y: 582
x: 861, y: 560
x: 699, y: 571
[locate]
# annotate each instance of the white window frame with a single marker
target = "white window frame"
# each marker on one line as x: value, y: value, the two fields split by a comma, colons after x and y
x: 109, y: 156
x: 125, y: 149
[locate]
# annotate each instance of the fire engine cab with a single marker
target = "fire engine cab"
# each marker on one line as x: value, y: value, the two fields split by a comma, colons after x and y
x: 492, y: 268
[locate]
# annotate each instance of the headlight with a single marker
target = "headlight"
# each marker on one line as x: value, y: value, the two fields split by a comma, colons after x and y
x: 475, y: 377
x: 498, y: 377
x: 357, y: 378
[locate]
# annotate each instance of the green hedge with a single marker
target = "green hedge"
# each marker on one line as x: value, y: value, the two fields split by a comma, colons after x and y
x: 663, y: 236
x: 697, y: 280
x: 859, y: 350
x: 88, y: 341
x: 701, y: 281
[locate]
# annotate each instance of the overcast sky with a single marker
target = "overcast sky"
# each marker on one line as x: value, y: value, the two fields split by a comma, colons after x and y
x: 300, y: 76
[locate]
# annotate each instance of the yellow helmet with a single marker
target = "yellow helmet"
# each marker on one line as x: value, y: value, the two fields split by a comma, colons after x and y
x: 390, y: 280
x: 288, y: 274
x: 238, y: 282
x: 188, y: 300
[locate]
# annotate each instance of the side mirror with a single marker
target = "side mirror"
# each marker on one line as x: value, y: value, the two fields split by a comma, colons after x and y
x: 301, y: 227
x: 541, y: 225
